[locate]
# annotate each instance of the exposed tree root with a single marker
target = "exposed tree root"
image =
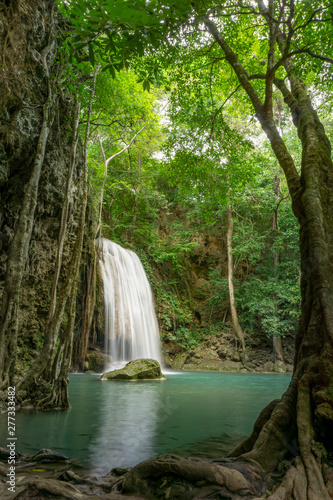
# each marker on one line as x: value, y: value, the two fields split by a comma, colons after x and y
x: 314, y: 477
x: 58, y: 399
x: 39, y: 487
x: 277, y: 437
x: 166, y: 477
x: 247, y: 445
x: 171, y: 476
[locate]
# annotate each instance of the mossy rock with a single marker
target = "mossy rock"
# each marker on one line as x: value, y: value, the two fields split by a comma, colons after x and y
x: 268, y: 366
x: 210, y: 365
x: 180, y: 360
x: 139, y: 369
x: 231, y: 366
x: 279, y: 367
x: 95, y: 361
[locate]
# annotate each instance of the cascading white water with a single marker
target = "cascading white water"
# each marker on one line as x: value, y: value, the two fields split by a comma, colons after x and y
x: 131, y: 330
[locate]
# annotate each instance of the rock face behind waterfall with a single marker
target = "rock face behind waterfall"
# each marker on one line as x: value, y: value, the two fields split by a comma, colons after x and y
x: 139, y: 369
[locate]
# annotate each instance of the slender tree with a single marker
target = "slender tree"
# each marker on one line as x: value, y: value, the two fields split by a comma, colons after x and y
x: 237, y: 329
x: 45, y: 367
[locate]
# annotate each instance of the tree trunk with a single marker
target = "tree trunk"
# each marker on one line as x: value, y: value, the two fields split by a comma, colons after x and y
x: 136, y: 188
x: 277, y: 347
x: 64, y: 216
x: 41, y: 367
x: 238, y: 332
x: 59, y: 398
x: 277, y: 341
x: 299, y: 427
x: 88, y: 306
x: 307, y: 406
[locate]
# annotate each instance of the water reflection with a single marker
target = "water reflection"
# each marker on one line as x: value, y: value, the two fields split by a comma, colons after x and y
x: 127, y: 426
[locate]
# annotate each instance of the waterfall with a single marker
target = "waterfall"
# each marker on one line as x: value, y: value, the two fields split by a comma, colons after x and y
x: 131, y: 330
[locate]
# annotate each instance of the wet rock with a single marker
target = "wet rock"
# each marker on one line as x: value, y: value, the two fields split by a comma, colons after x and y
x: 120, y: 471
x: 269, y: 366
x: 172, y: 347
x: 191, y: 367
x: 222, y: 351
x: 139, y: 369
x: 211, y: 365
x: 180, y: 360
x: 279, y: 367
x: 235, y: 357
x: 166, y: 360
x: 46, y: 455
x: 230, y: 366
x: 95, y: 360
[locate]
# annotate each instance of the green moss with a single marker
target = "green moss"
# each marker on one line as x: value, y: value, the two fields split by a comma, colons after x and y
x: 139, y: 369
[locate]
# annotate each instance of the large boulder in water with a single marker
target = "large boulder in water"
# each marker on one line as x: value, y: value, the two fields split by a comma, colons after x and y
x: 139, y: 369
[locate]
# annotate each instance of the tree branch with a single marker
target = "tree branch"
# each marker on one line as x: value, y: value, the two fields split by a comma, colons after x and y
x: 126, y: 147
x: 268, y: 125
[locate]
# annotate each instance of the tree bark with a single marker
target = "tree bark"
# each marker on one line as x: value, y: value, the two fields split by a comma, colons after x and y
x: 88, y: 307
x: 136, y: 188
x: 59, y: 397
x: 238, y: 332
x: 40, y: 369
x: 64, y: 216
x: 306, y: 409
x: 277, y: 341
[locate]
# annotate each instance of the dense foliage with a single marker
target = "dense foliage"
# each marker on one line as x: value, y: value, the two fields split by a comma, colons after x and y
x: 201, y: 154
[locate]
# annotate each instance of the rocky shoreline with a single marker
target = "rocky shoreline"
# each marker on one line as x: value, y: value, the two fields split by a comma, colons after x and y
x: 216, y: 353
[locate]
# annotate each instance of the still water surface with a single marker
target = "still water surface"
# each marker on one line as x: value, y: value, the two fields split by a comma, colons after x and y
x: 122, y: 423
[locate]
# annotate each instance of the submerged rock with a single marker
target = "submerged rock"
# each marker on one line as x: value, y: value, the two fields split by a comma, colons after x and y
x: 139, y: 369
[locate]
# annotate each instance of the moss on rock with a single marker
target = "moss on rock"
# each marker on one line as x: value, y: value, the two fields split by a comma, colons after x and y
x: 139, y: 369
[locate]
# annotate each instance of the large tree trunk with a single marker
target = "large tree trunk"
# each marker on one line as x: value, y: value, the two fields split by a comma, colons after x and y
x: 305, y: 413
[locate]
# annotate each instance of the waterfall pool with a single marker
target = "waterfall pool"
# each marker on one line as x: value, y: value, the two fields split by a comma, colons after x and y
x: 111, y: 424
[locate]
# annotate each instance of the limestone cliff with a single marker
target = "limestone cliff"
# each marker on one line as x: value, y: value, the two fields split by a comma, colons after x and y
x: 36, y: 105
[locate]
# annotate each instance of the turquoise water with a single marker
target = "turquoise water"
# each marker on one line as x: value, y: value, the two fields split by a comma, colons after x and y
x: 122, y: 423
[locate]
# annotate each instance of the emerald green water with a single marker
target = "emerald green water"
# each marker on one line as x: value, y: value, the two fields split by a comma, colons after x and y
x: 122, y: 423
